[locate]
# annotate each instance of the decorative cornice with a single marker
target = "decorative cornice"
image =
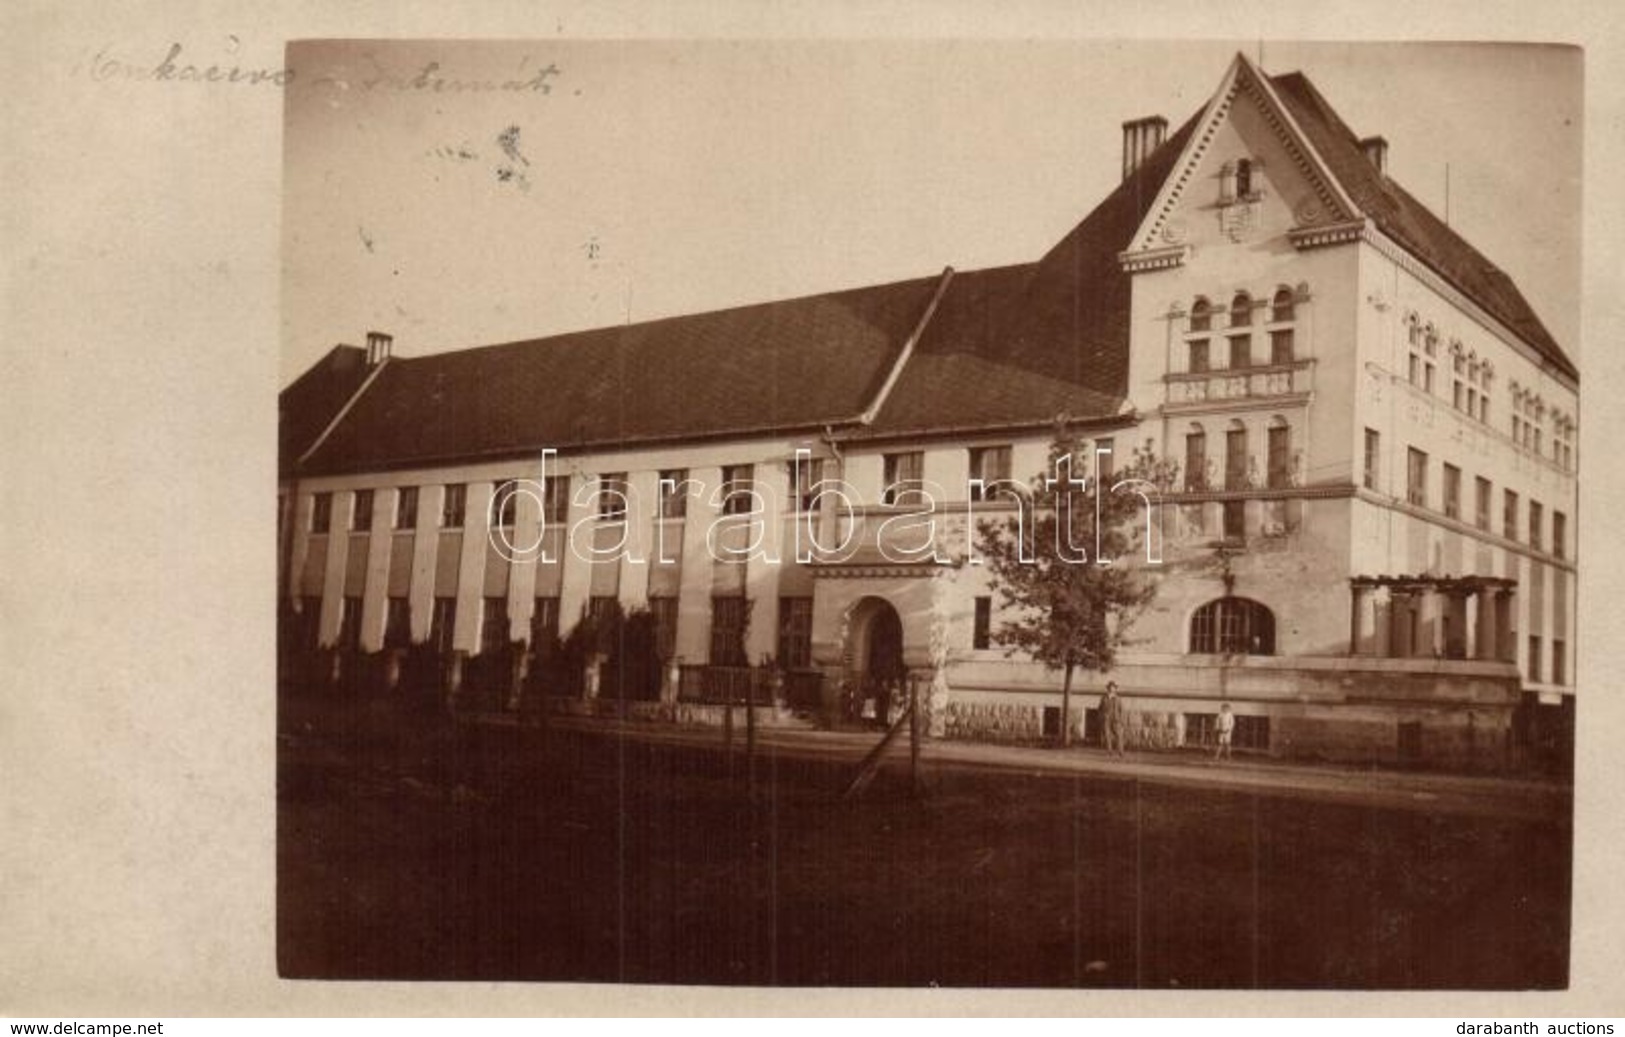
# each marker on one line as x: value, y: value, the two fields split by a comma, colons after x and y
x: 1237, y: 403
x: 894, y: 570
x: 1329, y: 234
x: 1154, y: 258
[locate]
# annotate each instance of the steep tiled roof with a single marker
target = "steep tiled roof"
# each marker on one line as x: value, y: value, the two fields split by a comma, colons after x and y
x: 314, y: 399
x: 800, y: 363
x: 1026, y: 343
x: 1410, y: 223
x: 1005, y: 347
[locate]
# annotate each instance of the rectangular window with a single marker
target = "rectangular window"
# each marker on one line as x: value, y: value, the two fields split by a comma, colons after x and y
x: 361, y: 517
x: 1509, y: 515
x: 673, y: 494
x: 398, y: 623
x: 1235, y: 459
x: 1536, y: 517
x: 982, y: 631
x: 505, y: 503
x: 406, y: 508
x: 1534, y: 659
x: 494, y: 624
x: 1195, y: 462
x: 1560, y: 651
x: 451, y: 508
x: 1280, y: 460
x: 1105, y: 462
x: 1414, y: 373
x: 664, y: 613
x: 991, y: 464
x: 1199, y: 357
x: 350, y: 623
x: 612, y: 496
x: 1241, y: 351
x: 806, y: 476
x: 736, y: 489
x: 1235, y: 520
x: 728, y: 631
x: 1560, y: 534
x: 1458, y: 394
x: 1482, y: 516
x: 1416, y: 482
x: 1452, y: 491
x: 443, y: 624
x: 555, y: 499
x: 903, y: 473
x: 1427, y: 379
x: 1373, y: 457
x: 309, y: 622
x: 321, y: 513
x: 795, y: 633
x: 544, y: 625
x: 1281, y: 346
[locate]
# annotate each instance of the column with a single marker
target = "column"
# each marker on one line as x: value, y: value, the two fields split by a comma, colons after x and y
x: 694, y: 593
x: 762, y: 567
x: 424, y: 545
x: 1357, y: 605
x: 1472, y: 617
x: 471, y: 568
x: 643, y: 500
x: 527, y: 553
x: 338, y: 554
x: 376, y: 588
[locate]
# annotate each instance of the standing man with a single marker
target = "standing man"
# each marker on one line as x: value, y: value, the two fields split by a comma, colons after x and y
x: 1226, y: 727
x: 1111, y: 716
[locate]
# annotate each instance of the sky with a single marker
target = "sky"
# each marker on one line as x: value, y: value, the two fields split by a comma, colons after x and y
x: 657, y: 178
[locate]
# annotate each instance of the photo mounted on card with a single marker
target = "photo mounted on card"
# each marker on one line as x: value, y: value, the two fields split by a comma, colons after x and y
x: 963, y: 514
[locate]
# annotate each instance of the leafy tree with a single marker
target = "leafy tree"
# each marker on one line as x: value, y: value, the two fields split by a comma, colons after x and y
x: 1072, y: 564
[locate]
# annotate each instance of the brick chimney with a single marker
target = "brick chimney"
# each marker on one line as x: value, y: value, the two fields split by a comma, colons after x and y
x: 378, y: 346
x: 1140, y: 138
x: 1376, y: 152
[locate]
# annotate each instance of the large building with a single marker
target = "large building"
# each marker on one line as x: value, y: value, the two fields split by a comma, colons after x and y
x: 1368, y: 549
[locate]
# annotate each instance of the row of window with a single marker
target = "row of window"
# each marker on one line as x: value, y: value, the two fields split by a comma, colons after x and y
x: 904, y: 476
x: 1417, y: 492
x: 1202, y: 343
x: 1237, y: 473
x: 729, y: 618
x: 1471, y: 377
x: 1533, y: 663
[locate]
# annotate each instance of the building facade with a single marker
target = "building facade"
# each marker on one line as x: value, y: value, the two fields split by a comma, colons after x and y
x: 1367, y: 548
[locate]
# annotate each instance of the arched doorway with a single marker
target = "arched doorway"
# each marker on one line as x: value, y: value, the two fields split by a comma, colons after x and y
x: 875, y: 657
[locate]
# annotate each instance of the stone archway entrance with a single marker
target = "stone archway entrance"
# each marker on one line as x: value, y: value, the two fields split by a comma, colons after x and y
x: 877, y: 672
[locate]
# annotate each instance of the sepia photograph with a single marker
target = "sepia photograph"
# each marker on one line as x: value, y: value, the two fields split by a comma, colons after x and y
x: 971, y: 514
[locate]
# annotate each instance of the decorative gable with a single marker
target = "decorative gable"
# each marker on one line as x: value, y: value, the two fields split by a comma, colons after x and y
x: 1247, y: 170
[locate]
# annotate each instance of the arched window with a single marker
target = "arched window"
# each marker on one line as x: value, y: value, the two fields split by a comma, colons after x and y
x: 1201, y: 315
x: 1241, y: 341
x: 1195, y: 459
x: 1279, y: 472
x: 1241, y: 310
x: 1281, y: 307
x: 1281, y: 311
x: 1201, y: 323
x: 1233, y: 626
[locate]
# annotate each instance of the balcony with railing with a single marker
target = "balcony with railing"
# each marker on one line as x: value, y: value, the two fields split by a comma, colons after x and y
x: 1196, y: 389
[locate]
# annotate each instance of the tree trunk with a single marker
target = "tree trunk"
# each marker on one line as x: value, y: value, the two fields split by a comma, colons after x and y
x: 1066, y: 706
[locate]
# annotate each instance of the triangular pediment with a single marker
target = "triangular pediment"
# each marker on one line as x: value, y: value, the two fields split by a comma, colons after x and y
x: 1320, y: 200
